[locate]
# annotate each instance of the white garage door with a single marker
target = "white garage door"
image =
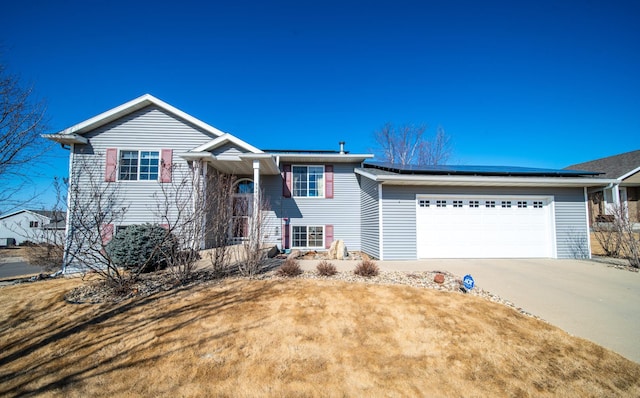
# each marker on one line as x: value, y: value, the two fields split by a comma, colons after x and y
x: 484, y: 226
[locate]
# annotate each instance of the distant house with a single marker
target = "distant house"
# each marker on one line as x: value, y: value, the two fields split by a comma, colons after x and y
x: 625, y: 190
x: 36, y: 226
x: 391, y: 212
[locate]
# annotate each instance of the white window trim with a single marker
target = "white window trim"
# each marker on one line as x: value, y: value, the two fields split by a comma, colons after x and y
x: 324, y: 181
x: 120, y: 150
x: 324, y: 237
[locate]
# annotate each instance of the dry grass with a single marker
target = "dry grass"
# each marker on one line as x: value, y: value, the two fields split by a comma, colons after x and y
x: 293, y: 337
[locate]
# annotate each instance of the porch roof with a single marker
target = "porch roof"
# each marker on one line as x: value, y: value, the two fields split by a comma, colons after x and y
x: 238, y: 164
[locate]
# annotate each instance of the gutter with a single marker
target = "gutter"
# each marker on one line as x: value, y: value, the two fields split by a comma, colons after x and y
x: 392, y: 179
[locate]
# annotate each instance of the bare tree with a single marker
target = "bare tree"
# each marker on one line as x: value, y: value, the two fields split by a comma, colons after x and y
x: 195, y: 209
x: 22, y: 120
x: 617, y: 236
x: 95, y: 207
x: 220, y: 189
x: 408, y: 144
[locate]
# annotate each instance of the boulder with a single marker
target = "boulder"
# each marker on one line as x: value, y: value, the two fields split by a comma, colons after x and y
x: 341, y: 250
x: 294, y: 254
x: 332, y: 250
x: 439, y: 278
x: 273, y: 251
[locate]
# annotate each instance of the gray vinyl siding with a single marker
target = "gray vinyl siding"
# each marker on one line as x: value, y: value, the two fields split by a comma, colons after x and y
x: 226, y: 149
x: 399, y: 217
x: 150, y: 128
x: 370, y: 220
x: 343, y: 211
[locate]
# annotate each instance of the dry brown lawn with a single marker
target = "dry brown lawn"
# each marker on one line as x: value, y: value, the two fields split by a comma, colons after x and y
x: 293, y: 338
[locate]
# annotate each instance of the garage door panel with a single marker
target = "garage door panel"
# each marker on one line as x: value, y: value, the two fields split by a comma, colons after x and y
x: 479, y: 227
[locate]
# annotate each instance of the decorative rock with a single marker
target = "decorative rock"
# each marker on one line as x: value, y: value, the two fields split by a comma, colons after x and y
x: 333, y: 250
x: 341, y: 250
x: 273, y: 251
x: 439, y: 278
x: 294, y: 254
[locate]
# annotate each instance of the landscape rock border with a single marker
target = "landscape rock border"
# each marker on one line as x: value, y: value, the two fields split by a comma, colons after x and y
x: 148, y: 284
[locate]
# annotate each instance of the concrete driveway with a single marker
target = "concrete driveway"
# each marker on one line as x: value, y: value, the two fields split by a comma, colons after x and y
x: 585, y: 298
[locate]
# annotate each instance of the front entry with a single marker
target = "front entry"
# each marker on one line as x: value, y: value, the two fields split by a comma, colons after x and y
x: 242, y: 210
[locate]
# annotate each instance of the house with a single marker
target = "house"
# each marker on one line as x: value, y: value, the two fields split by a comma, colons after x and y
x: 314, y: 197
x: 38, y: 226
x: 624, y: 192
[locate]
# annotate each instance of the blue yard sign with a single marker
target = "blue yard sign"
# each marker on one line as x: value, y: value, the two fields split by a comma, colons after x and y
x: 468, y: 282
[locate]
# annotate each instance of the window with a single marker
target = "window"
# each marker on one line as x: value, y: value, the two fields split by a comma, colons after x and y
x: 474, y: 203
x: 33, y: 224
x: 490, y: 203
x: 522, y: 204
x: 139, y: 165
x: 308, y: 236
x: 537, y: 205
x: 424, y: 203
x: 308, y: 181
x: 457, y: 203
x: 506, y: 203
x: 441, y: 203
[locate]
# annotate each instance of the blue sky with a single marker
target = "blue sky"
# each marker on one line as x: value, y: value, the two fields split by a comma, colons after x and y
x: 531, y: 83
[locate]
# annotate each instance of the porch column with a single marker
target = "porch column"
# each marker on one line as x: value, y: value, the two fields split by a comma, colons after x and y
x: 616, y: 195
x: 256, y: 188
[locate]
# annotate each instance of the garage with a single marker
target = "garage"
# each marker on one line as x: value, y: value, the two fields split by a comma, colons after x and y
x: 468, y: 226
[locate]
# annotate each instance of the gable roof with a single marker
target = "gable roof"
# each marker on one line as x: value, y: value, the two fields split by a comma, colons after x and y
x: 225, y: 139
x: 617, y: 166
x: 73, y: 134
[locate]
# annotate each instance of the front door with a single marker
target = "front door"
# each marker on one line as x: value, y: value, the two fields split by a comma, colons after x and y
x: 242, y: 210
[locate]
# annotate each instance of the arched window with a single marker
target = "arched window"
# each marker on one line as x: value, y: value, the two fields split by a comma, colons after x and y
x: 244, y: 186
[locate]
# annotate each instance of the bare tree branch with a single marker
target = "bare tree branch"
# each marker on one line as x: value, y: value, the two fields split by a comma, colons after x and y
x: 407, y: 144
x: 22, y: 120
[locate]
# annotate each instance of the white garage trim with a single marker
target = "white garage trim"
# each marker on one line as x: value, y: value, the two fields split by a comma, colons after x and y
x: 486, y: 226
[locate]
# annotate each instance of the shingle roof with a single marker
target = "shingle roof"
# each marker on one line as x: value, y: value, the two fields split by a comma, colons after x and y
x: 612, y: 166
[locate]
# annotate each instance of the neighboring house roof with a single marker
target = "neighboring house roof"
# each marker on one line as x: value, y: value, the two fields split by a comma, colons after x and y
x: 52, y: 215
x: 395, y: 174
x: 73, y: 134
x: 618, y: 166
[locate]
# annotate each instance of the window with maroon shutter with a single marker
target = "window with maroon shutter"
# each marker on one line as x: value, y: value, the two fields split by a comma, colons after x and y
x: 111, y: 165
x: 166, y: 165
x: 106, y: 233
x: 328, y: 236
x: 286, y: 180
x: 328, y: 186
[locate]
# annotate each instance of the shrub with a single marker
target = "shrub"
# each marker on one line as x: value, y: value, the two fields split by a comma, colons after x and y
x: 326, y: 269
x: 289, y: 268
x: 366, y: 268
x: 141, y: 248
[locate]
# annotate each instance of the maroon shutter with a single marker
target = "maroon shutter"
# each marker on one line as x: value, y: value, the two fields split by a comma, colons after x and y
x: 286, y: 180
x: 328, y: 236
x: 328, y: 178
x: 111, y: 165
x: 166, y: 167
x: 285, y: 233
x: 106, y: 233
